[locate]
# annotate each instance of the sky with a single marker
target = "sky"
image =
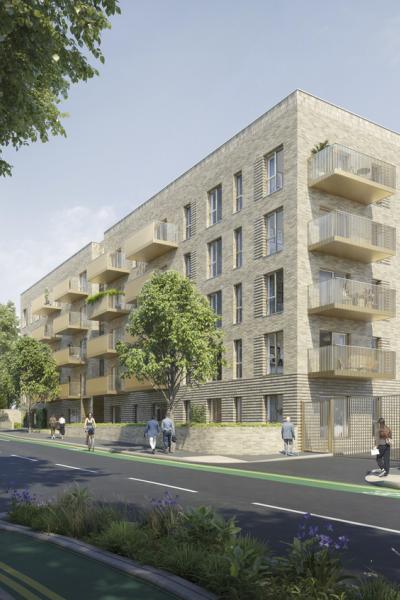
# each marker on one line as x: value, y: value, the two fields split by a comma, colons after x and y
x: 181, y: 77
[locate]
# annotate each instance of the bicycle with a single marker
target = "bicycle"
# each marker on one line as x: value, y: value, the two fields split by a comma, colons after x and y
x: 90, y: 440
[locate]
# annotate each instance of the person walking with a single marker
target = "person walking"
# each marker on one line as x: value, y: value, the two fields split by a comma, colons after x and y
x: 288, y: 436
x: 383, y: 439
x: 90, y: 430
x: 151, y: 432
x: 168, y: 430
x: 53, y: 426
x: 61, y: 426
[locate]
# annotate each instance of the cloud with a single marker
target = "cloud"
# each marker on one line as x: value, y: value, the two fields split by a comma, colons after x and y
x: 58, y: 236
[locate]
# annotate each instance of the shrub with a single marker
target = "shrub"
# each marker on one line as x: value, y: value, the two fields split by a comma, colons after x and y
x: 98, y: 295
x: 17, y: 425
x: 376, y: 589
x: 204, y: 527
x: 165, y: 515
x: 198, y: 414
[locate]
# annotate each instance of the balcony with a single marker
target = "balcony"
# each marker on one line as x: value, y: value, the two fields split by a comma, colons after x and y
x: 152, y: 241
x: 103, y: 345
x: 70, y: 290
x: 107, y: 267
x: 44, y: 333
x: 101, y: 386
x: 45, y: 305
x: 134, y: 287
x: 70, y: 390
x: 341, y: 171
x: 350, y: 236
x: 108, y: 308
x: 70, y: 323
x: 69, y: 357
x: 348, y: 299
x: 131, y: 384
x: 354, y: 362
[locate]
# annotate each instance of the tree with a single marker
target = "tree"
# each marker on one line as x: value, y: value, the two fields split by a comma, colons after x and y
x: 34, y: 373
x: 176, y: 336
x: 45, y: 45
x: 8, y: 337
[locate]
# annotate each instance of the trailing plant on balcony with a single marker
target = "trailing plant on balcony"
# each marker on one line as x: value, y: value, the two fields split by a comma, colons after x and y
x: 318, y: 147
x: 111, y: 292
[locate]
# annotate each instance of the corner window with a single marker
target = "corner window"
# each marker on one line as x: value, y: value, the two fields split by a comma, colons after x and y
x: 274, y: 231
x: 238, y: 192
x: 215, y: 258
x: 274, y: 171
x: 274, y: 353
x: 188, y: 221
x: 215, y: 205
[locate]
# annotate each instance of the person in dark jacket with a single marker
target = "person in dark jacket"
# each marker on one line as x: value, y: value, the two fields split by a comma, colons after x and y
x: 383, y: 438
x: 288, y: 436
x: 151, y: 432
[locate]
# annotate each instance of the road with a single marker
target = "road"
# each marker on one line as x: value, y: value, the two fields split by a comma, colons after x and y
x: 266, y: 498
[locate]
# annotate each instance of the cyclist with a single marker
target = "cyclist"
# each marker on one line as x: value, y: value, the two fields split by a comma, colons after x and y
x: 90, y: 428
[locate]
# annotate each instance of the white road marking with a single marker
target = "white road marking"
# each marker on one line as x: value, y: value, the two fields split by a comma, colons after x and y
x: 163, y: 485
x: 345, y: 521
x: 75, y: 468
x: 24, y: 457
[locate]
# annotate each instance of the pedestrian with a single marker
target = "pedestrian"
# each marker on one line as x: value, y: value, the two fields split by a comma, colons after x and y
x: 61, y: 426
x: 151, y: 431
x: 53, y: 426
x: 90, y: 430
x: 168, y: 431
x: 288, y: 436
x: 383, y: 439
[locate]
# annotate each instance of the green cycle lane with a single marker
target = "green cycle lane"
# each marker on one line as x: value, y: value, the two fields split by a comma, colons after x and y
x: 32, y: 569
x: 338, y: 486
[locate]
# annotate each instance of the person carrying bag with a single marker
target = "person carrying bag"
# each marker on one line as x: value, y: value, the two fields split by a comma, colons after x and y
x: 383, y: 439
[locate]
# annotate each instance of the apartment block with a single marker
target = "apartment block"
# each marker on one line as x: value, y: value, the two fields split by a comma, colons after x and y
x: 292, y: 240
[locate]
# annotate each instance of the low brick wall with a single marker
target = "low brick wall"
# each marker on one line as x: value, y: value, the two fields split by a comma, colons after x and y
x: 9, y: 416
x: 205, y: 440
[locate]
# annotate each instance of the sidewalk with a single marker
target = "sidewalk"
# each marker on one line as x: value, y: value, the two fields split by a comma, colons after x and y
x: 144, y: 450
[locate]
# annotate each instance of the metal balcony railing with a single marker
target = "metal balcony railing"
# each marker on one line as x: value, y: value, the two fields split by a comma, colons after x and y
x: 338, y: 157
x: 355, y: 295
x: 357, y: 230
x: 351, y: 361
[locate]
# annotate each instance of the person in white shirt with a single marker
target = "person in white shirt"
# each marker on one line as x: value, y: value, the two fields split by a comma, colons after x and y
x: 61, y: 426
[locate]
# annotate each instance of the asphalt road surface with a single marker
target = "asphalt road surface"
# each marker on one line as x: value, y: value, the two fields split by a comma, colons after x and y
x: 268, y: 499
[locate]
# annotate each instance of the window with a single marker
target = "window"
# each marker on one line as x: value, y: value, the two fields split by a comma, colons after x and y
x: 82, y: 380
x: 83, y: 282
x: 238, y: 408
x: 215, y: 300
x: 274, y: 231
x: 186, y: 407
x: 115, y: 414
x: 274, y: 408
x: 215, y: 205
x: 73, y: 415
x: 134, y: 413
x: 274, y: 171
x: 238, y: 293
x: 188, y: 265
x: 238, y: 350
x: 188, y: 221
x: 238, y: 201
x: 158, y: 412
x: 341, y: 413
x: 333, y: 338
x: 24, y: 317
x: 238, y: 247
x: 101, y: 367
x: 214, y: 410
x: 274, y: 352
x: 215, y: 258
x: 274, y: 292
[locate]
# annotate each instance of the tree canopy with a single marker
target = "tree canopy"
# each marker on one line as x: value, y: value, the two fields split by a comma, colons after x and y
x: 176, y: 336
x: 45, y: 45
x: 33, y: 372
x: 8, y: 338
